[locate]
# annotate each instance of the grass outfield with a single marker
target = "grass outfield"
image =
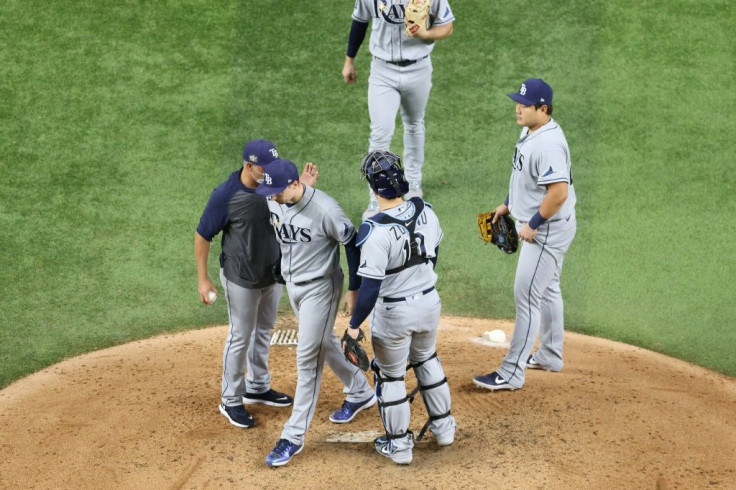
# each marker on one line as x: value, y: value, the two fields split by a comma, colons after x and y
x: 118, y: 119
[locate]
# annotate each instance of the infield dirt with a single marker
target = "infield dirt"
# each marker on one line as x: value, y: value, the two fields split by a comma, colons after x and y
x: 144, y: 415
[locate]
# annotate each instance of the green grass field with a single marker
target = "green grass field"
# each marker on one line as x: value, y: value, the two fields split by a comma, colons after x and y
x: 119, y: 118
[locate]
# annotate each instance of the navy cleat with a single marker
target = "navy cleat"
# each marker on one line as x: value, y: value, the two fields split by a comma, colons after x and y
x: 237, y: 415
x: 349, y: 410
x: 271, y: 397
x: 283, y: 452
x: 493, y: 381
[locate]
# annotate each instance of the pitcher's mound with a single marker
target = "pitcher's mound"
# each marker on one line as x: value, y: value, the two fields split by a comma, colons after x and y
x: 144, y: 415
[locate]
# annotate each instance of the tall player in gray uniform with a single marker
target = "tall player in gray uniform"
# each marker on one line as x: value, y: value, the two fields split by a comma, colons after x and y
x: 400, y: 76
x: 310, y: 226
x: 399, y: 249
x: 542, y: 198
x: 248, y: 252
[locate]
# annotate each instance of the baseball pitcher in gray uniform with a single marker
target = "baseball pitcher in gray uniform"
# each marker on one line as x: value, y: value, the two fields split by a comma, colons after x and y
x: 309, y: 227
x: 399, y: 249
x: 400, y: 76
x: 542, y: 198
x: 249, y: 249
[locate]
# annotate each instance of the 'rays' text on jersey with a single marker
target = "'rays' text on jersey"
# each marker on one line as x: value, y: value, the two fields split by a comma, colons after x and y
x: 289, y: 233
x: 393, y: 13
x: 517, y: 162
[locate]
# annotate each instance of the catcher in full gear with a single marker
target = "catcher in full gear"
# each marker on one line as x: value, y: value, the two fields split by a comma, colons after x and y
x: 398, y: 254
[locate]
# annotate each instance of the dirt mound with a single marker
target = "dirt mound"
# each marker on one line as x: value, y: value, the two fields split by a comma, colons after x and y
x: 144, y: 415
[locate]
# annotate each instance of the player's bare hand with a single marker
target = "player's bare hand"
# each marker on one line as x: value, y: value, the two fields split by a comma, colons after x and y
x: 348, y: 71
x: 309, y: 175
x: 527, y: 234
x: 348, y: 303
x: 500, y: 210
x: 416, y: 30
x: 204, y: 287
x: 353, y: 333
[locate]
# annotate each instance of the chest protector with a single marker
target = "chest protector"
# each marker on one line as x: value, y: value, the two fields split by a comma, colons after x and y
x: 415, y: 254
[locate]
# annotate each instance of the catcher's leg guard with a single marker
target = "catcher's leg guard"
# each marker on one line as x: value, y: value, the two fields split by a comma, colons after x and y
x: 436, y: 395
x: 393, y: 404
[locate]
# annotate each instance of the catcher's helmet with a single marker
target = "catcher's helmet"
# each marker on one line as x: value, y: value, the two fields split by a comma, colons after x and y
x: 383, y: 171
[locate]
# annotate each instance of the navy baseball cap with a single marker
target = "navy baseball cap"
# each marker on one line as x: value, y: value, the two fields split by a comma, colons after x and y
x: 260, y: 152
x: 277, y: 176
x: 533, y: 91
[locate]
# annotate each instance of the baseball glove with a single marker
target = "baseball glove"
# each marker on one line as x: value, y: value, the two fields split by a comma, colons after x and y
x: 354, y: 352
x: 417, y: 12
x: 502, y: 233
x: 276, y: 272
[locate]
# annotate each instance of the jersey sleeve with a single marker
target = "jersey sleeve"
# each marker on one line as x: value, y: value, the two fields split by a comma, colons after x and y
x: 337, y: 224
x: 362, y: 11
x: 374, y: 254
x: 552, y: 166
x: 215, y: 215
x: 442, y: 13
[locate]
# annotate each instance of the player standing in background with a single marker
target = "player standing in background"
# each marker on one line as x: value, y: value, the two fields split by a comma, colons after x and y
x: 399, y: 249
x: 249, y: 249
x: 542, y: 198
x: 400, y: 77
x: 310, y: 226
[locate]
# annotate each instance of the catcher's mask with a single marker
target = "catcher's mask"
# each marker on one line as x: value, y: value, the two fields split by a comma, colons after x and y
x: 384, y: 173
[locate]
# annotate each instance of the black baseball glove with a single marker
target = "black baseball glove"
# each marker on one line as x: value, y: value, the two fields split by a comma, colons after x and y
x: 502, y: 233
x: 353, y: 351
x: 276, y: 271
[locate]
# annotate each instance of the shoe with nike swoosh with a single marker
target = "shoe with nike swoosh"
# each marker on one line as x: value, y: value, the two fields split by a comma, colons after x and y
x: 272, y: 398
x: 493, y: 381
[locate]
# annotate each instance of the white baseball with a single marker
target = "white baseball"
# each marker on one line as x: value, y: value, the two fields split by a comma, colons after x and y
x: 497, y: 336
x: 212, y: 296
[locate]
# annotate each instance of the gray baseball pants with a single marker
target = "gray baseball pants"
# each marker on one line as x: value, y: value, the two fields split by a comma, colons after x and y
x: 252, y: 314
x: 539, y: 306
x: 315, y: 305
x: 392, y: 88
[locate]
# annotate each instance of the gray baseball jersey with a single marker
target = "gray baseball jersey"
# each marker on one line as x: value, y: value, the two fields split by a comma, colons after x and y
x: 540, y: 158
x: 388, y: 246
x: 389, y: 41
x: 309, y: 233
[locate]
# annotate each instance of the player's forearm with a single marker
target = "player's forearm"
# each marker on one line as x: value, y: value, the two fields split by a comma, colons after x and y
x: 439, y: 32
x: 201, y: 252
x: 551, y: 203
x: 367, y: 297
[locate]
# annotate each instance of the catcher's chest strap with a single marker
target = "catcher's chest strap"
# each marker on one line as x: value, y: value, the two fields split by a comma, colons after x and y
x: 385, y: 219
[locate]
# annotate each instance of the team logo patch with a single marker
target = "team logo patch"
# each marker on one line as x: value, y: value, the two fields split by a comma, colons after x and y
x: 267, y: 179
x: 522, y: 90
x: 253, y: 158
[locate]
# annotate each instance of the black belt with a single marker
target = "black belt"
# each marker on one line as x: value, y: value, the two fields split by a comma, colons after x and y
x: 413, y: 296
x: 405, y: 62
x: 307, y: 282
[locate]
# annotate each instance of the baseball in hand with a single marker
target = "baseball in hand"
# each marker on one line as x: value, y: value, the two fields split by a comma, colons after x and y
x: 497, y: 336
x: 212, y: 296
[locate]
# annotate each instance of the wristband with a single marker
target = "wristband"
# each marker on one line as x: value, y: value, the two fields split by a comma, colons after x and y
x: 536, y: 221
